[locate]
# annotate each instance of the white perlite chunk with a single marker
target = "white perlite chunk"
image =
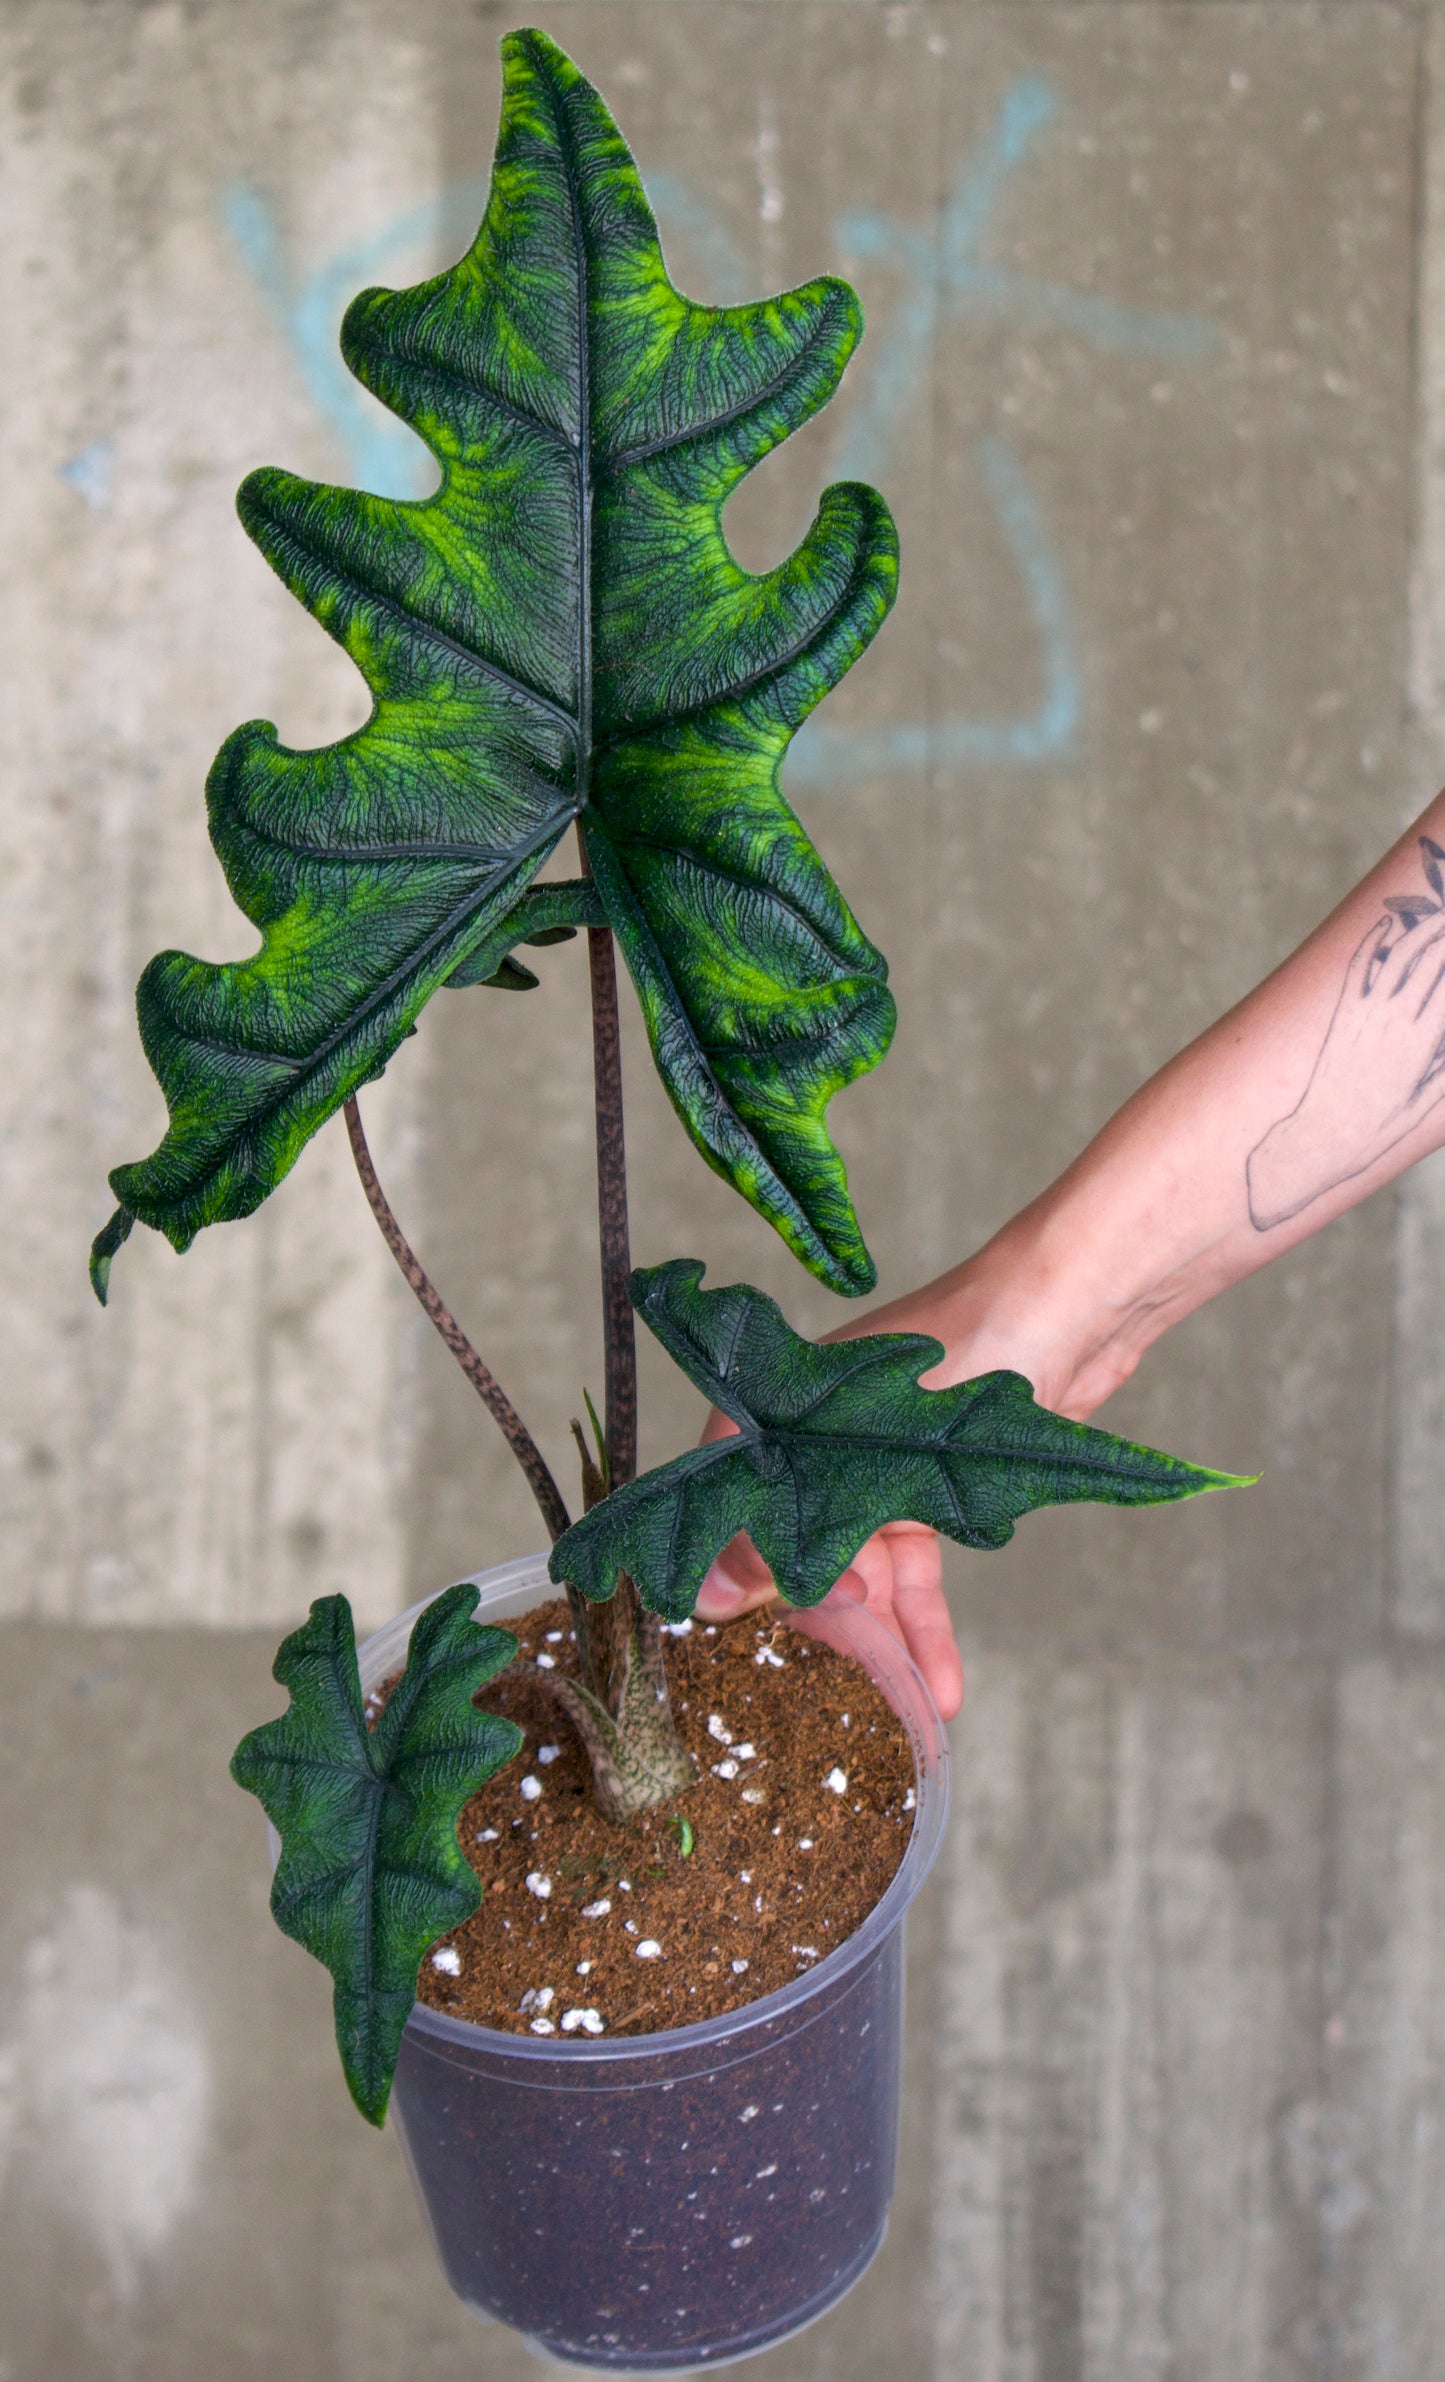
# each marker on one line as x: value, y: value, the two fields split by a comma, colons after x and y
x: 745, y: 1753
x: 536, y: 1997
x: 837, y: 1779
x: 678, y: 1629
x: 547, y: 1753
x: 546, y: 1662
x: 746, y: 2116
x: 805, y: 1844
x: 910, y: 1801
x: 543, y: 2026
x: 596, y: 1910
x: 590, y: 2022
x: 648, y: 1949
x: 538, y: 1884
x: 448, y: 1961
x: 738, y: 1967
x: 727, y: 1769
x: 740, y: 2241
x: 531, y: 1788
x: 753, y: 1795
x: 584, y: 1968
x: 554, y: 1637
x: 766, y: 1654
x: 488, y: 1835
x: 717, y: 1727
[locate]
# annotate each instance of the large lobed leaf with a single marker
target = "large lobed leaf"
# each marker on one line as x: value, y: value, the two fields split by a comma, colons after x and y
x: 833, y: 1441
x: 370, y: 1872
x: 559, y: 632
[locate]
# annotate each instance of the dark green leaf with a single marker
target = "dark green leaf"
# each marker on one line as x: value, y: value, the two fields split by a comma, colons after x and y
x: 832, y: 1442
x: 559, y: 631
x: 370, y: 1871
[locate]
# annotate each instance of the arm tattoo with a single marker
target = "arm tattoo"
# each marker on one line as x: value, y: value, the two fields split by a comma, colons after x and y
x: 1381, y: 1067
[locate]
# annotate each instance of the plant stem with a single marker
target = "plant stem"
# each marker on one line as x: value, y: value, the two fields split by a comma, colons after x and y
x: 519, y: 1439
x: 619, y: 1341
x: 619, y: 1704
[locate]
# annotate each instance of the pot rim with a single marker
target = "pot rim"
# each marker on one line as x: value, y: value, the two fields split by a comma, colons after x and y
x: 839, y: 1622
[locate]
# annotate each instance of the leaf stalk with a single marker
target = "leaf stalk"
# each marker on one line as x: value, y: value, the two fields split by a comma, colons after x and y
x: 519, y: 1439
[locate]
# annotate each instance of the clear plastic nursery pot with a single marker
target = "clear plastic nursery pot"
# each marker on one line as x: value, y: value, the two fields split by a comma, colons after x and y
x: 680, y: 2199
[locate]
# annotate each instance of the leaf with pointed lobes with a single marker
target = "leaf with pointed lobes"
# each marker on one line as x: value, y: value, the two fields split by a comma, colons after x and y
x: 559, y: 633
x: 371, y: 1872
x: 834, y: 1440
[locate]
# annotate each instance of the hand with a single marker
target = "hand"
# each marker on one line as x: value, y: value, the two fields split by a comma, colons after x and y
x: 1007, y: 1308
x: 897, y: 1573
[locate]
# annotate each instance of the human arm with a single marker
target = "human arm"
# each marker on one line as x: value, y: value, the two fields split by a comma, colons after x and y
x: 1323, y: 1084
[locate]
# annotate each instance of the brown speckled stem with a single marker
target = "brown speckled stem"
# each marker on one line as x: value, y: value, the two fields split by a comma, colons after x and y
x: 519, y: 1439
x: 617, y: 1320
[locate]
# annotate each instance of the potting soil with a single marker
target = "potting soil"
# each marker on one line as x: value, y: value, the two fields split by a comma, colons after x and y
x: 795, y: 1828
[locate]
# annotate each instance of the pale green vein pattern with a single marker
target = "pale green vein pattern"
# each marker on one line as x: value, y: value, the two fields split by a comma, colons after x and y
x: 559, y: 632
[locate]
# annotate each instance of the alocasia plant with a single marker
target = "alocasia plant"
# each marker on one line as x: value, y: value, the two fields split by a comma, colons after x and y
x: 559, y: 636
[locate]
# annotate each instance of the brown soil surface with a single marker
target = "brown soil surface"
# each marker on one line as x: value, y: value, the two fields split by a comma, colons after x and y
x: 784, y: 1865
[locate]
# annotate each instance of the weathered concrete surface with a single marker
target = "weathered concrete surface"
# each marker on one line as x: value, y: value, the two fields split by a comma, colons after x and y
x: 1156, y: 299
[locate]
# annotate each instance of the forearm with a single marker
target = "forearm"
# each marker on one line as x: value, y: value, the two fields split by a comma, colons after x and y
x: 1323, y: 1084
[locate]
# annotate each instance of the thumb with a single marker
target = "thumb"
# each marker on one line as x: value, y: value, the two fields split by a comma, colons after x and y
x: 737, y: 1582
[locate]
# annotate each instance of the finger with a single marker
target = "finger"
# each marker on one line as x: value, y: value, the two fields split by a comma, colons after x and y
x: 1368, y: 958
x: 924, y: 1619
x: 1413, y: 952
x: 738, y: 1582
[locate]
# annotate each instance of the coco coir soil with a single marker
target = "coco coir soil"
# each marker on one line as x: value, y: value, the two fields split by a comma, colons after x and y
x: 798, y: 1821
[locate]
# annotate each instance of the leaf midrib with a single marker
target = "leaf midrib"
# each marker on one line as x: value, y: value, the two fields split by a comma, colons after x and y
x: 375, y: 999
x: 797, y: 1445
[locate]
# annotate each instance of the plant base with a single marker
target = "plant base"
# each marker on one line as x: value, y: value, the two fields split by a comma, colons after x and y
x: 675, y: 2201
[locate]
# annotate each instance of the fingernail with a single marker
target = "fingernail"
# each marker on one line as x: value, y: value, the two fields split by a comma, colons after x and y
x: 718, y: 1599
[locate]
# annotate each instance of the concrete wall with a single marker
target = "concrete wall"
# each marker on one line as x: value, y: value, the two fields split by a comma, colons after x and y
x: 1154, y: 379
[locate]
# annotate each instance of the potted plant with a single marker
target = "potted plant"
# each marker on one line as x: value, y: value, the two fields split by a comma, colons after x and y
x: 559, y: 638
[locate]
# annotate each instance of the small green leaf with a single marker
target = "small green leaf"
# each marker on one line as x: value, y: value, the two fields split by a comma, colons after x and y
x: 604, y: 1461
x: 370, y: 1872
x: 545, y: 914
x: 686, y: 1840
x: 111, y: 1236
x: 832, y: 1442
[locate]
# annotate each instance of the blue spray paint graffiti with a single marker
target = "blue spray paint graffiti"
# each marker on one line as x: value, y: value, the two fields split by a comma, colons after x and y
x: 381, y: 453
x: 822, y: 755
x: 88, y: 472
x: 944, y: 279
